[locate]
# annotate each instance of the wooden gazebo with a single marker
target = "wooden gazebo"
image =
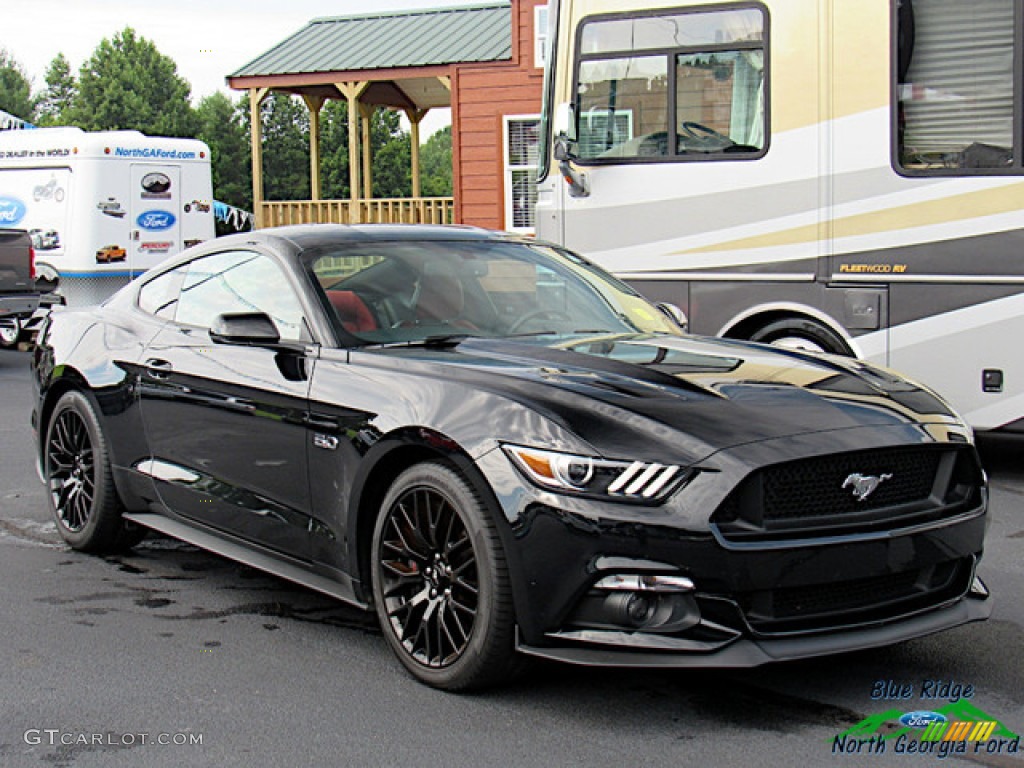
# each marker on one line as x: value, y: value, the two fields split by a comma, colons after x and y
x: 400, y: 60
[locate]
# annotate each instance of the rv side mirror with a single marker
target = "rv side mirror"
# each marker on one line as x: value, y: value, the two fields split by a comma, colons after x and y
x: 563, y: 148
x: 575, y: 178
x: 675, y: 314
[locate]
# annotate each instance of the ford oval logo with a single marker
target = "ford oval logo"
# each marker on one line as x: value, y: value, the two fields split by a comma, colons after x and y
x: 156, y: 183
x: 155, y: 221
x: 922, y: 718
x: 12, y: 210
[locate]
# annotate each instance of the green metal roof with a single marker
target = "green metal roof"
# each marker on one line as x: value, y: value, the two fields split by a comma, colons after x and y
x: 469, y: 33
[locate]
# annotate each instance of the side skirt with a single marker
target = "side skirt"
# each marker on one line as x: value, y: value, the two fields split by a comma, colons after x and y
x: 247, y: 554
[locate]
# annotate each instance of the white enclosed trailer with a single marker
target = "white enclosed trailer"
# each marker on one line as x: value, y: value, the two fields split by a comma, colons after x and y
x: 103, y: 207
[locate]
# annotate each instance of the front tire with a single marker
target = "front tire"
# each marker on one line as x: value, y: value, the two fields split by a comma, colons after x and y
x: 82, y: 496
x: 440, y: 581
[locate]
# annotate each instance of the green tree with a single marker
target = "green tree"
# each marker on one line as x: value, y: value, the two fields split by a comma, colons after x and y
x: 436, y: 164
x: 15, y: 89
x: 334, y: 150
x: 389, y: 149
x: 392, y: 159
x: 285, y: 148
x: 220, y: 125
x: 392, y: 168
x: 128, y: 84
x: 55, y: 101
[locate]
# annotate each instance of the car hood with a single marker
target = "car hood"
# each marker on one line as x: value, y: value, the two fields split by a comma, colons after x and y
x: 699, y: 394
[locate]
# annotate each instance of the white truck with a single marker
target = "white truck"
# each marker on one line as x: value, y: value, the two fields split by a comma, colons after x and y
x: 102, y: 208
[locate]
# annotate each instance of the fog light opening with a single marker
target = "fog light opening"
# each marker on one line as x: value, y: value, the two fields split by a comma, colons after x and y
x: 647, y: 602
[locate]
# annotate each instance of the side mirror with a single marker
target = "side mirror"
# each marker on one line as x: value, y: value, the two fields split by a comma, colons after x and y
x: 563, y: 148
x: 575, y: 178
x: 248, y: 328
x: 675, y: 314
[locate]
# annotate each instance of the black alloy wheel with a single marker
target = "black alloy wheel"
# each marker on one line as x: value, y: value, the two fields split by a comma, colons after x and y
x: 440, y: 581
x: 72, y: 476
x: 81, y: 489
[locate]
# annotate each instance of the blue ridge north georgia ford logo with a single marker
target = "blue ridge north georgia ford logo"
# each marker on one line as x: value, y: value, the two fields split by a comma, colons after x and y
x: 155, y: 221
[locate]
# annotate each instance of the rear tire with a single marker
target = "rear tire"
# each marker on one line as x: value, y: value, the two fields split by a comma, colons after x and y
x: 440, y: 581
x: 799, y: 333
x: 82, y: 496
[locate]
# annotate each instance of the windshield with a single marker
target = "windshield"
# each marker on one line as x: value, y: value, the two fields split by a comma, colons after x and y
x: 406, y: 291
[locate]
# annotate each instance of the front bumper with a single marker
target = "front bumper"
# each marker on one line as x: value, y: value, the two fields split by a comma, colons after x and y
x: 749, y: 652
x: 753, y: 601
x: 19, y: 305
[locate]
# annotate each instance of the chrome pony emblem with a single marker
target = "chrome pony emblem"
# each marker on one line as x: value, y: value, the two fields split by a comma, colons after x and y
x: 864, y: 485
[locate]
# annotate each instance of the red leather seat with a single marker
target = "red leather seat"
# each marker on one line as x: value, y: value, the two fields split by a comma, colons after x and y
x: 355, y: 316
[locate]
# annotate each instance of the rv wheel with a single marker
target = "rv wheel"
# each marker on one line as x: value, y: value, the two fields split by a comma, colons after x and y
x: 798, y: 333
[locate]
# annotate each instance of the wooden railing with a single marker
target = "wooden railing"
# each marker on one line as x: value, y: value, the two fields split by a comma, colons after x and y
x: 394, y: 210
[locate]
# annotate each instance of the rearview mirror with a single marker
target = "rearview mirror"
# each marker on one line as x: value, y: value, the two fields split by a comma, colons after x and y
x: 249, y: 328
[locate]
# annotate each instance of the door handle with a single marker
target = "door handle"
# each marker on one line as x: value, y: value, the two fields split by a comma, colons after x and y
x: 158, y: 369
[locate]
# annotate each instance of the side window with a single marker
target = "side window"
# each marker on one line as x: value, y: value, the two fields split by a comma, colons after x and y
x: 673, y: 85
x: 160, y: 296
x: 363, y: 289
x: 240, y: 281
x: 956, y: 85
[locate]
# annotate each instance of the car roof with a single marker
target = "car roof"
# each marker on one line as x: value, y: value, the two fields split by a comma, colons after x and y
x: 296, y: 238
x: 306, y: 236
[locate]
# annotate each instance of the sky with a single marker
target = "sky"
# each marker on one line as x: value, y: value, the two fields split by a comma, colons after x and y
x: 208, y: 39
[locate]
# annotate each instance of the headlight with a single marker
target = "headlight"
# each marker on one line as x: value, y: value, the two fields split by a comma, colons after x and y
x: 589, y: 476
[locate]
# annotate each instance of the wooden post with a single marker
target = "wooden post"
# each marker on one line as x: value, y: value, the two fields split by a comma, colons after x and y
x: 415, y: 116
x: 366, y: 113
x: 256, y: 97
x: 314, y: 104
x: 352, y: 92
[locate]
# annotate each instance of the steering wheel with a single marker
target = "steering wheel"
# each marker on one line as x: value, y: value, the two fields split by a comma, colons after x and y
x: 704, y: 135
x: 540, y: 314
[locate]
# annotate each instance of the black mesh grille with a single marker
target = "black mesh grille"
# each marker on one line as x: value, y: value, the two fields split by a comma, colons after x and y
x: 788, y: 609
x: 803, y: 601
x: 818, y: 496
x: 815, y: 487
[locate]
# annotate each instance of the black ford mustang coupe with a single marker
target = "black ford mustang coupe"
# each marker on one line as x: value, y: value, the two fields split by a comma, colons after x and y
x: 503, y: 451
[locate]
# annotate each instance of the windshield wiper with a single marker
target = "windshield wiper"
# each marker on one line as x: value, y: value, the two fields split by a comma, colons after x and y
x: 439, y: 341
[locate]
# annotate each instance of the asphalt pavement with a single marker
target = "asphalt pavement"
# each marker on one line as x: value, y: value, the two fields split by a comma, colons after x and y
x: 169, y: 656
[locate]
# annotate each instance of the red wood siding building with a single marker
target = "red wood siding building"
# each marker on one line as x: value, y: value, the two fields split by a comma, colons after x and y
x: 483, y: 95
x: 480, y: 60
